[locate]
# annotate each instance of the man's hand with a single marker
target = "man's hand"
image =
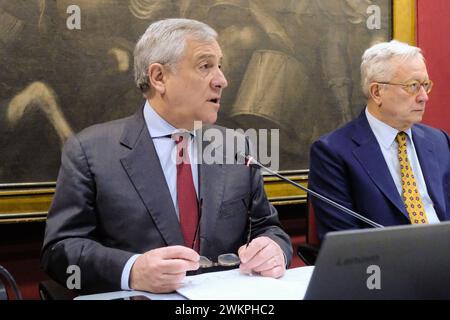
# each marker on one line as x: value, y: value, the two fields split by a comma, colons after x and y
x: 263, y: 256
x: 163, y: 270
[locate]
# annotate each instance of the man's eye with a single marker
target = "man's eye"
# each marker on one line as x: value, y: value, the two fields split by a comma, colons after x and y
x: 204, y: 66
x: 414, y: 86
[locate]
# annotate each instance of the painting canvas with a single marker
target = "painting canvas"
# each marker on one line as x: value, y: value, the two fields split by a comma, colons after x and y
x: 291, y: 65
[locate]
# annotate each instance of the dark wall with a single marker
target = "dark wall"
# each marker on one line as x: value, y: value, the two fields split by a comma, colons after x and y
x: 19, y: 254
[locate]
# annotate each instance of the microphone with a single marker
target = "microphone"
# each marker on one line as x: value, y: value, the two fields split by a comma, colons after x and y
x: 249, y: 161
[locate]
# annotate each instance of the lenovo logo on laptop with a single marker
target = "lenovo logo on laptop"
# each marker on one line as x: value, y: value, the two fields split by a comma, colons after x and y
x: 357, y: 260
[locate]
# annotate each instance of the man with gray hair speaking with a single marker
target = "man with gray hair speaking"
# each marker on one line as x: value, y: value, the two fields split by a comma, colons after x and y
x: 384, y: 165
x: 129, y: 215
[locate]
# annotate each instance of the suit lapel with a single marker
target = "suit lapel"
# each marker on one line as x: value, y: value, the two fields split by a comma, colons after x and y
x: 144, y: 170
x: 430, y: 168
x: 211, y: 189
x: 371, y: 158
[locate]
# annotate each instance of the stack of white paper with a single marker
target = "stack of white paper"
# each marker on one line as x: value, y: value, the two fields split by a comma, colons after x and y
x: 232, y: 285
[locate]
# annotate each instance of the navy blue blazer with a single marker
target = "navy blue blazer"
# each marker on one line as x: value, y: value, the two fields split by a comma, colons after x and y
x: 348, y: 167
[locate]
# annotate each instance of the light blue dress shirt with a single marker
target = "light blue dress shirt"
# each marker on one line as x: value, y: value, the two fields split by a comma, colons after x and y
x: 386, y: 137
x: 160, y: 130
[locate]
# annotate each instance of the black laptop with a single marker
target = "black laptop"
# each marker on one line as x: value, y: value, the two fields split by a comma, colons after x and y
x: 402, y: 262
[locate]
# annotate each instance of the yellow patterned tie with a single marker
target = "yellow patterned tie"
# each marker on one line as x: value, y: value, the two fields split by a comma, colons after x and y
x: 410, y: 191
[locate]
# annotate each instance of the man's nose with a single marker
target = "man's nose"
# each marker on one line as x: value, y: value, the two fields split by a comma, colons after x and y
x: 219, y: 80
x: 422, y: 96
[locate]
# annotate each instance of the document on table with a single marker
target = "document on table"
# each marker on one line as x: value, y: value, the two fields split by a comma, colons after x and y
x: 232, y: 285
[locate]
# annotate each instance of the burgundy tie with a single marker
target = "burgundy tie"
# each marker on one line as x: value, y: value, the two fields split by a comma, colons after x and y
x: 186, y: 196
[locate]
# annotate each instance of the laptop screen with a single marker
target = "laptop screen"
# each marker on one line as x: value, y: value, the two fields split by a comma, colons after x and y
x: 401, y: 262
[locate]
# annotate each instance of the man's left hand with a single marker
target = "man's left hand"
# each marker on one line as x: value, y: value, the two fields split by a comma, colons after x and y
x: 263, y: 256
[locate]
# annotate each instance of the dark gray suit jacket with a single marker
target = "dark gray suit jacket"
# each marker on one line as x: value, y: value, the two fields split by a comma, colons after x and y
x: 112, y: 201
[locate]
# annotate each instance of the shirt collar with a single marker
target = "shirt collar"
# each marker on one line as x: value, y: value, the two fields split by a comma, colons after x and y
x: 158, y: 126
x: 384, y: 133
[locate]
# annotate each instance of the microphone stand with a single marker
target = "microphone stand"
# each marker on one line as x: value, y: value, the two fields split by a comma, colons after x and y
x: 250, y: 161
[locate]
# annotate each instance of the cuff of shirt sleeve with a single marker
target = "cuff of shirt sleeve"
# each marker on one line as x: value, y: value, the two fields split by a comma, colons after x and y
x: 124, y: 282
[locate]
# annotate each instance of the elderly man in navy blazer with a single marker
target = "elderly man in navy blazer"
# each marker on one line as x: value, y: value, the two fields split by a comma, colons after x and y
x: 129, y: 215
x: 385, y: 165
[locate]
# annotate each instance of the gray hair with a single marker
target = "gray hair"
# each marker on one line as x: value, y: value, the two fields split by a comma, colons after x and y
x: 164, y: 42
x: 377, y: 61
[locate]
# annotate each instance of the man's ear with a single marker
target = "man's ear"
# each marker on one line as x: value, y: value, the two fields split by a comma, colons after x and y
x: 156, y: 76
x: 374, y: 93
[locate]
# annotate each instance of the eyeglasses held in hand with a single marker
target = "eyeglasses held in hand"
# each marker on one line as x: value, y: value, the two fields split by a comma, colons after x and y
x: 224, y: 260
x: 413, y: 87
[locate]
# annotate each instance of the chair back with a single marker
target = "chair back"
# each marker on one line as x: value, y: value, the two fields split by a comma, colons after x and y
x: 309, y: 251
x: 312, y: 236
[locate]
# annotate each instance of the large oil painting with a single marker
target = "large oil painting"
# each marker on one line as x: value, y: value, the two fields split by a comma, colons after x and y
x: 291, y: 65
